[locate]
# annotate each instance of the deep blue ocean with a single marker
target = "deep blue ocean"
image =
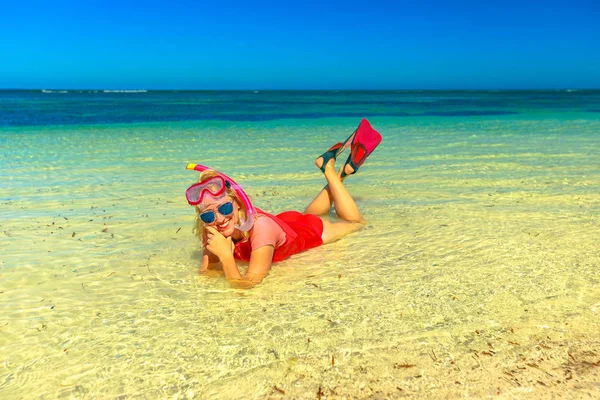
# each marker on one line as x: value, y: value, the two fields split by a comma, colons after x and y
x: 71, y: 107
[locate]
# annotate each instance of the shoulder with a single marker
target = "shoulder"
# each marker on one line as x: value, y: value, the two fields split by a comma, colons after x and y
x: 266, y: 231
x: 264, y: 223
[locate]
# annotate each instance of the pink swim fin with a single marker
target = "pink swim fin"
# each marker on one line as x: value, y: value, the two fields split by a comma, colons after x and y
x: 365, y: 140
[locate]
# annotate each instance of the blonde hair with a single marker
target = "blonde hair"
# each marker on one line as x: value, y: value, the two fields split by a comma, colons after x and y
x: 198, y: 224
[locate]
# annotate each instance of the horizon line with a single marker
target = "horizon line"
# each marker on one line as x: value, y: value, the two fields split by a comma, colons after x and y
x: 141, y: 90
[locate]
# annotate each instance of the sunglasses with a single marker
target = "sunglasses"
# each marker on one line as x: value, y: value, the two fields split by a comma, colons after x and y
x: 209, y: 216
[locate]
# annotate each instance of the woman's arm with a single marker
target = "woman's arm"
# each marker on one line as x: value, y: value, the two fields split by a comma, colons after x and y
x: 260, y: 264
x: 209, y: 261
x: 258, y: 268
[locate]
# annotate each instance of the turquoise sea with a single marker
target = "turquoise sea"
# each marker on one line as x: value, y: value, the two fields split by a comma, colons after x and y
x: 477, y: 275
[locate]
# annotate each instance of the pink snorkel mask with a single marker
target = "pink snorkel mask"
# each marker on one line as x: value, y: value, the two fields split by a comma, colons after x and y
x: 216, y: 187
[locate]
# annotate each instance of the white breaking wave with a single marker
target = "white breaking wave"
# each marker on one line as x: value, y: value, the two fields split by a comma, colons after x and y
x: 126, y: 91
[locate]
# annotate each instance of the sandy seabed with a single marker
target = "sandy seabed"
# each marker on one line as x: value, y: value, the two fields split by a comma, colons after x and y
x: 477, y: 275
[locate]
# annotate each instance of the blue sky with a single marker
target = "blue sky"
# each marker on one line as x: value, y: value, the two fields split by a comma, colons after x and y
x: 220, y: 44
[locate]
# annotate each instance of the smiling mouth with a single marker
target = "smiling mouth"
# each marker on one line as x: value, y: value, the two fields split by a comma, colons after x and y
x: 224, y: 225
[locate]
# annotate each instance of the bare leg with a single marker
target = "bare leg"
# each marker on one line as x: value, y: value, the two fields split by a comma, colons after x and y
x: 345, y: 208
x: 333, y: 231
x: 321, y: 204
x: 343, y: 203
x: 334, y: 193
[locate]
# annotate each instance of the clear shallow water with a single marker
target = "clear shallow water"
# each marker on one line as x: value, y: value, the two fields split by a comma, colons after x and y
x: 476, y: 275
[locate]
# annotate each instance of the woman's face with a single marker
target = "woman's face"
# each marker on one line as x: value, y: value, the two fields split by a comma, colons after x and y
x: 225, y: 212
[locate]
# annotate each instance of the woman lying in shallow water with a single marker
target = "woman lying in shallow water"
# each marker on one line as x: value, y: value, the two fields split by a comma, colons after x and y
x: 231, y: 228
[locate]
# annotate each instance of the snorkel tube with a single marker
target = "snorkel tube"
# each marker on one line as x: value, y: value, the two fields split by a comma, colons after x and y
x: 250, y: 210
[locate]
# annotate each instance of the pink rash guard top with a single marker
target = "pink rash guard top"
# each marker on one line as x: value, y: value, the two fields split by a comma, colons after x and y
x: 289, y: 233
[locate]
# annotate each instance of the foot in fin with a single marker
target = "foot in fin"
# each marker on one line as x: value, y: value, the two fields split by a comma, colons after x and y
x: 365, y: 140
x: 336, y: 150
x: 329, y: 154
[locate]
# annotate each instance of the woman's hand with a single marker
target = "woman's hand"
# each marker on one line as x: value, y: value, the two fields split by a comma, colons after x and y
x: 218, y: 244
